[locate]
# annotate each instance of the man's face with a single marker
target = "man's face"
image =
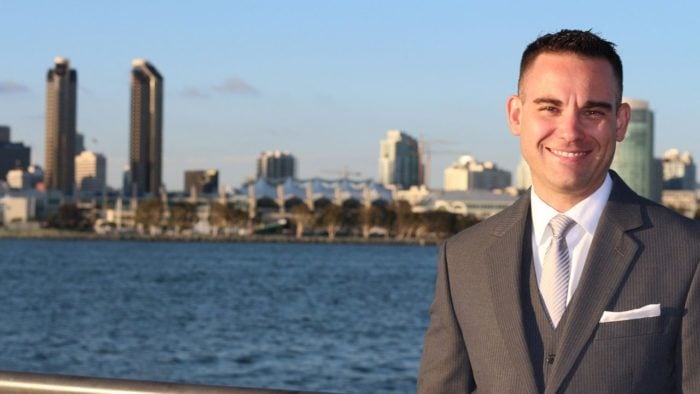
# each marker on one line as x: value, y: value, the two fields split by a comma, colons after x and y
x: 568, y: 120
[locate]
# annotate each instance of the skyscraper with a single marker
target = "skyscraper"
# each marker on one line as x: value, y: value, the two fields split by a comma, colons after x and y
x: 399, y: 160
x: 634, y: 160
x: 276, y: 166
x: 13, y: 155
x: 61, y: 108
x: 146, y: 144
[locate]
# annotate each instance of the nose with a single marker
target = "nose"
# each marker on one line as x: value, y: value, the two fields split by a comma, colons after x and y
x: 570, y: 128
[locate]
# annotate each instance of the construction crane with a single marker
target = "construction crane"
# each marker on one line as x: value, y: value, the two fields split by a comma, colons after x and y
x: 425, y: 152
x: 345, y: 173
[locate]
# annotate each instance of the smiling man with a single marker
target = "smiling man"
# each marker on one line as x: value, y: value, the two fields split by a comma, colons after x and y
x: 581, y: 285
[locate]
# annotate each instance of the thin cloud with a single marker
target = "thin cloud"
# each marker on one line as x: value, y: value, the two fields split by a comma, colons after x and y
x: 85, y: 90
x: 9, y: 87
x: 191, y: 92
x: 239, y: 159
x: 235, y: 86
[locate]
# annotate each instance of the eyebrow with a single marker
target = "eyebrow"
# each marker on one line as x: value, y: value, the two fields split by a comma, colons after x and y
x: 588, y: 104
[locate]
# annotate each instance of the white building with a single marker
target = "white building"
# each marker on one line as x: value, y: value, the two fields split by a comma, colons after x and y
x: 684, y: 202
x: 90, y: 172
x: 19, y: 179
x: 523, y: 178
x: 678, y: 170
x: 17, y: 209
x: 468, y: 174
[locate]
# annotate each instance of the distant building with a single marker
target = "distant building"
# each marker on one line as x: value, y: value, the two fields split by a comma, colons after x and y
x: 634, y: 160
x: 399, y: 160
x: 79, y: 143
x: 19, y: 179
x: 146, y: 138
x: 679, y: 170
x: 4, y: 134
x: 479, y: 203
x: 523, y: 178
x: 276, y: 166
x: 468, y: 174
x: 91, y: 172
x: 13, y: 155
x: 61, y: 108
x: 17, y: 209
x: 37, y: 174
x: 684, y: 202
x: 126, y: 181
x: 200, y: 182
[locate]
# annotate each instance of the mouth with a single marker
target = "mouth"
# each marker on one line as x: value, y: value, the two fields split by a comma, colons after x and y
x: 568, y: 154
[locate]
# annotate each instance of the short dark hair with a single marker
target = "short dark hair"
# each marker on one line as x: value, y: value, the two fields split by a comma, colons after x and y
x: 578, y: 42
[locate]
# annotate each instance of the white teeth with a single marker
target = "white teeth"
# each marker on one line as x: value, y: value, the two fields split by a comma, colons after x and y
x: 567, y: 154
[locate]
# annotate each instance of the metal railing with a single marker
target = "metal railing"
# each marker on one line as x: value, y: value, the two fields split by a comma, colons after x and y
x: 36, y: 383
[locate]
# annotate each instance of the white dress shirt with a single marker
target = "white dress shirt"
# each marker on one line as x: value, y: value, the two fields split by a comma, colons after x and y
x: 586, y: 214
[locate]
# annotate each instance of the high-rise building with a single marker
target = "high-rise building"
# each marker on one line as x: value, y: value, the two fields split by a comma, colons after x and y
x: 202, y: 182
x: 79, y: 143
x: 468, y: 174
x: 13, y: 155
x: 399, y: 160
x: 4, y: 134
x: 679, y: 170
x: 91, y: 172
x: 634, y: 160
x: 146, y: 144
x: 61, y: 108
x: 276, y: 166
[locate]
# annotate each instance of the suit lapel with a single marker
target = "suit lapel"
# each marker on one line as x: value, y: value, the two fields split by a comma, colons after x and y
x: 504, y: 257
x: 609, y: 259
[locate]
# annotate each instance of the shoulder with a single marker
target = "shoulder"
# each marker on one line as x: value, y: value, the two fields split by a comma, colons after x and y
x: 483, y: 233
x: 667, y: 220
x: 633, y: 210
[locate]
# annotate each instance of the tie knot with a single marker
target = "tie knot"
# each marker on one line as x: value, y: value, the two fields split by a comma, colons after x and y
x: 560, y: 224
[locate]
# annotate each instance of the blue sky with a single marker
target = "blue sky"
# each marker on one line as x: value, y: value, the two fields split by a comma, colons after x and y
x: 325, y: 80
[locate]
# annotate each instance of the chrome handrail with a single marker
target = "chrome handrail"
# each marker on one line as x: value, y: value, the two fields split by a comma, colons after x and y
x: 39, y: 383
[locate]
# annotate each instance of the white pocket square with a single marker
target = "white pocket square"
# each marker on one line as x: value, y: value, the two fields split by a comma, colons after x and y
x: 651, y: 310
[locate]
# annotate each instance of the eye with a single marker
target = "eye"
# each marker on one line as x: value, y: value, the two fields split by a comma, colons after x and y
x: 594, y: 113
x: 549, y: 108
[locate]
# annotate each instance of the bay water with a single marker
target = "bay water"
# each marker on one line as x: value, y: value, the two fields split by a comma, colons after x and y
x: 318, y: 317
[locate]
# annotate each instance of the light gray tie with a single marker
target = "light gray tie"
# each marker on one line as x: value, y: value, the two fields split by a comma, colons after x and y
x: 554, y: 284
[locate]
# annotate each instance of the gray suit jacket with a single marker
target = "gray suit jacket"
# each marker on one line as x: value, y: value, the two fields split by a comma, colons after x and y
x: 641, y: 254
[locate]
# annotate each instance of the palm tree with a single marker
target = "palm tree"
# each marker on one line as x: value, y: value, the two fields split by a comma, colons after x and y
x: 331, y: 217
x: 303, y: 217
x: 183, y: 215
x: 149, y: 213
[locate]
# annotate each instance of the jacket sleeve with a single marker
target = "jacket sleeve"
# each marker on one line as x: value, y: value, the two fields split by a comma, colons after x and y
x: 688, y: 348
x: 445, y: 366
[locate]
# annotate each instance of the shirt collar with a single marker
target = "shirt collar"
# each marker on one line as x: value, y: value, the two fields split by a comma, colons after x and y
x: 586, y: 213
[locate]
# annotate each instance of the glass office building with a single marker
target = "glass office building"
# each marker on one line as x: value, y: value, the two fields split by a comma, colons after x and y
x: 634, y: 158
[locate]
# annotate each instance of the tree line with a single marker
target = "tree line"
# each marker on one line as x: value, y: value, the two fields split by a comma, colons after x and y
x: 380, y: 219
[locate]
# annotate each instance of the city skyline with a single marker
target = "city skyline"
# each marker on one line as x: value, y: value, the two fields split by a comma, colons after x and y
x: 324, y: 81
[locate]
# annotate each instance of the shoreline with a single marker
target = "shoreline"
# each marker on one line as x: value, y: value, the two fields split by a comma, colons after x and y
x: 67, y: 235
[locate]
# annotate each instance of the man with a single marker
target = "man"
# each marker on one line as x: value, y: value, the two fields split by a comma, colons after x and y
x: 581, y: 286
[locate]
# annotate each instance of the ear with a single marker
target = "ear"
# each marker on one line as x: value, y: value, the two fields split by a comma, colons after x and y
x: 514, y: 107
x: 624, y: 112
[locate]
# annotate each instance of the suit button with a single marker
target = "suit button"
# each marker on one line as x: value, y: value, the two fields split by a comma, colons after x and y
x: 550, y: 359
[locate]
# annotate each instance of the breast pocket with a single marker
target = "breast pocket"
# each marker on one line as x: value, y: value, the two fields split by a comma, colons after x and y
x: 663, y: 324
